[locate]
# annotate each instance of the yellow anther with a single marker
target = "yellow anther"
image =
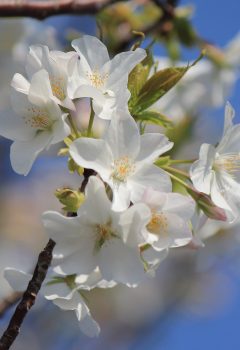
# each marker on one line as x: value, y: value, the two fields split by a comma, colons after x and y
x: 122, y: 168
x: 58, y: 87
x: 38, y: 119
x: 228, y: 162
x: 158, y: 223
x: 96, y: 79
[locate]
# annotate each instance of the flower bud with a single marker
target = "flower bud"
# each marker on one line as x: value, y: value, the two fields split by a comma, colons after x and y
x: 71, y: 199
x: 205, y: 203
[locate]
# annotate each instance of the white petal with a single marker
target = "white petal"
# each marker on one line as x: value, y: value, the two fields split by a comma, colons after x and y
x: 60, y: 227
x: 132, y: 222
x: 60, y: 129
x: 183, y: 206
x: 120, y: 263
x: 96, y: 205
x: 218, y: 191
x: 89, y: 326
x: 87, y: 47
x: 148, y: 176
x: 83, y: 261
x: 154, y: 257
x: 40, y: 89
x: 104, y: 108
x: 72, y: 301
x: 92, y: 154
x: 19, y: 83
x: 152, y: 145
x: 33, y: 60
x: 90, y: 91
x: 122, y: 64
x: 13, y: 127
x: 53, y: 291
x: 17, y: 279
x: 123, y: 137
x: 201, y: 170
x: 121, y: 197
x: 230, y: 142
x: 229, y: 116
x: 24, y: 153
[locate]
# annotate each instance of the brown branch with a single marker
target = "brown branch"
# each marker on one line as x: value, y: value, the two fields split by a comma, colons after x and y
x: 9, y: 301
x: 43, y: 9
x: 29, y: 296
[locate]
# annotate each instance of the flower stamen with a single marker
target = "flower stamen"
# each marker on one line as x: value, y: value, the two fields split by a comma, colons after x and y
x: 38, y: 119
x: 122, y: 168
x: 158, y: 223
x: 58, y: 87
x: 97, y: 80
x: 228, y: 162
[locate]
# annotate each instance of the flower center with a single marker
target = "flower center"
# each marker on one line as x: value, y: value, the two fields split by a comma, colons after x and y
x: 38, y: 119
x: 158, y: 223
x: 58, y: 87
x: 228, y: 162
x: 97, y: 80
x: 122, y: 168
x: 104, y: 234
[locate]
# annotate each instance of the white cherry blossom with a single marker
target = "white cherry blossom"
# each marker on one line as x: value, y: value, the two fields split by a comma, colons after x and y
x: 169, y: 225
x: 59, y: 67
x: 37, y: 123
x: 99, y: 237
x: 101, y: 78
x: 58, y: 289
x: 217, y: 171
x: 124, y: 159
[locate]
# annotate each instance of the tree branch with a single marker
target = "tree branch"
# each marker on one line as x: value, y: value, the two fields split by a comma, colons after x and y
x: 43, y: 9
x: 29, y: 296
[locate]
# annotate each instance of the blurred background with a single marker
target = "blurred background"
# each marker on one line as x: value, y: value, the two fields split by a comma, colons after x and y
x: 194, y: 301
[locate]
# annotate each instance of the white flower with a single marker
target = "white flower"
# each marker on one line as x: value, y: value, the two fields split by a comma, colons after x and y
x: 216, y: 172
x: 103, y: 79
x: 99, y: 237
x: 36, y: 124
x: 124, y: 159
x: 58, y: 289
x: 169, y: 224
x: 59, y: 66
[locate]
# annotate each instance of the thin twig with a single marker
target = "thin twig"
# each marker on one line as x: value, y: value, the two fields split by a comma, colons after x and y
x: 29, y: 297
x: 44, y: 9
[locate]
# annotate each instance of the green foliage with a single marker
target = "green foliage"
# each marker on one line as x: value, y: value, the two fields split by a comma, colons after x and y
x: 153, y: 117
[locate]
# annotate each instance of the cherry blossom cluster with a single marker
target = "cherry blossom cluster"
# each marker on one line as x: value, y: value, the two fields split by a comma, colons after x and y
x: 130, y: 217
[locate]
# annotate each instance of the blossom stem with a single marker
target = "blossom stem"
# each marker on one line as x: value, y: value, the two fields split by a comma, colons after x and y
x: 182, y: 161
x: 91, y: 119
x: 73, y: 126
x: 175, y: 178
x: 176, y: 171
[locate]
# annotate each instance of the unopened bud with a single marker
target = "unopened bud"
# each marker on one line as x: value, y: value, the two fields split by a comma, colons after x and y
x: 205, y: 203
x: 71, y: 199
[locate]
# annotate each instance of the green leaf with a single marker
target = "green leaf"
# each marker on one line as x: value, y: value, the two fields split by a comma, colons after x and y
x: 153, y: 117
x: 157, y: 86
